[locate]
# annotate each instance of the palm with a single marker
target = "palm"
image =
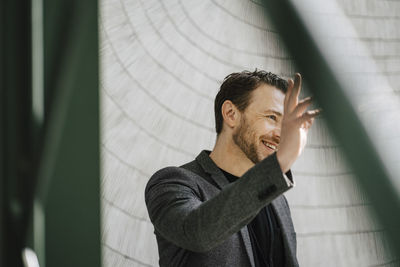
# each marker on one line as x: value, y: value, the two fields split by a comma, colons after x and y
x: 295, y: 124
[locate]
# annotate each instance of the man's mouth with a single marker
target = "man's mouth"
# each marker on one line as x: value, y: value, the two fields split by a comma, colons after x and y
x: 270, y: 145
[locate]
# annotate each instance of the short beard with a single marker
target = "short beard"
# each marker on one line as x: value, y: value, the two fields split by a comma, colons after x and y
x: 243, y: 137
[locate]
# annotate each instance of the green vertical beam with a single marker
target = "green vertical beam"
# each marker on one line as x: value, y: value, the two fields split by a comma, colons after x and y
x: 49, y: 137
x: 67, y: 200
x: 329, y: 90
x: 15, y: 133
x: 2, y: 137
x: 36, y: 232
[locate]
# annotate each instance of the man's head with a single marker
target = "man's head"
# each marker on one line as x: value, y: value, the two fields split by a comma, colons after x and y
x: 249, y: 109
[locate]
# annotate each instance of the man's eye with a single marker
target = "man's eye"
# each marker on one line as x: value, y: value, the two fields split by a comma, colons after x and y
x: 272, y: 117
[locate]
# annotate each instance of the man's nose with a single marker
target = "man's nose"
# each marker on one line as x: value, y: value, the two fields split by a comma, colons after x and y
x: 277, y: 133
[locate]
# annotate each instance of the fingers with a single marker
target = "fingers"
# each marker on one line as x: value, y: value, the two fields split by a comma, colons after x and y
x: 307, y: 124
x: 302, y: 106
x: 293, y: 93
x: 287, y: 95
x: 297, y: 85
x: 309, y: 115
x: 297, y: 109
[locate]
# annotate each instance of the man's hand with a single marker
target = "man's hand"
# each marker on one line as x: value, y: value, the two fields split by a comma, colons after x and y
x: 295, y: 124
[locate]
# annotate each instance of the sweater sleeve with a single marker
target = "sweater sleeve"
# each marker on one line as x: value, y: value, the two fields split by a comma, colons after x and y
x: 180, y: 216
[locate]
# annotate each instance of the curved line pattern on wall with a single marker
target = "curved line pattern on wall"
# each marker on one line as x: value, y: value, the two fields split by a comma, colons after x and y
x: 162, y: 63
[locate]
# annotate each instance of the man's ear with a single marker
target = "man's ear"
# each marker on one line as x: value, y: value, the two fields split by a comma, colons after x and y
x: 230, y: 113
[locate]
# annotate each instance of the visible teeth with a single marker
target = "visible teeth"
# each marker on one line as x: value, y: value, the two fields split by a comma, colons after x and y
x: 270, y: 145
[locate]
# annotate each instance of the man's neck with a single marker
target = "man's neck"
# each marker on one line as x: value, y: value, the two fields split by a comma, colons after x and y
x: 229, y: 157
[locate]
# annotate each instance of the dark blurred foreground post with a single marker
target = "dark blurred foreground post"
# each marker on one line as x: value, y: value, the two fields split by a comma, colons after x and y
x: 49, y: 116
x: 344, y: 122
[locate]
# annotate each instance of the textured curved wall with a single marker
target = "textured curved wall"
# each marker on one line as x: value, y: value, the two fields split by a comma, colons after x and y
x: 162, y: 64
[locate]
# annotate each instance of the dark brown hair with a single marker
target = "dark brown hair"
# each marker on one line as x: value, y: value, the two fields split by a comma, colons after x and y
x: 237, y: 87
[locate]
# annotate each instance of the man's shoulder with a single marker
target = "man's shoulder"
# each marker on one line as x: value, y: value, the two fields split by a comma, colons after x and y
x: 171, y: 173
x: 187, y: 170
x: 193, y: 166
x: 184, y: 173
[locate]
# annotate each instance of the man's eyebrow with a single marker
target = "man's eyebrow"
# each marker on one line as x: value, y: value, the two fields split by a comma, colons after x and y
x: 273, y: 111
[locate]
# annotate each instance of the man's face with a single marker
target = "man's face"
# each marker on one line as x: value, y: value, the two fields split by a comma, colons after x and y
x: 258, y: 134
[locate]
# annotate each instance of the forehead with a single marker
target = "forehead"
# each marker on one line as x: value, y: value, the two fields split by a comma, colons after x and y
x: 266, y: 97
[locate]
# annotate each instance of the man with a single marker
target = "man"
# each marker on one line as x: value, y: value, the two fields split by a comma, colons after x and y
x: 226, y: 208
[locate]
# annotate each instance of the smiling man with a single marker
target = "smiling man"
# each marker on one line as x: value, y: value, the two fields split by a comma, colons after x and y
x: 226, y: 208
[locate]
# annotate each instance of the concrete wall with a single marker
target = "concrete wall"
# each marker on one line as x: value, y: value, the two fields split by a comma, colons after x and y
x: 162, y: 64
